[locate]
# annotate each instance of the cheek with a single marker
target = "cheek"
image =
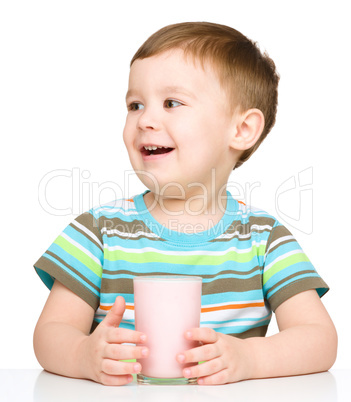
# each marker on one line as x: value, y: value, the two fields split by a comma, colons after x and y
x: 127, y: 134
x: 124, y: 138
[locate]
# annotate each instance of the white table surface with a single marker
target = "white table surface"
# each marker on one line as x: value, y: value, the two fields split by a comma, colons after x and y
x: 41, y: 386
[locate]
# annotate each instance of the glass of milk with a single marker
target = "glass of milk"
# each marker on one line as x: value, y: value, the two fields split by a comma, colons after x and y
x: 166, y: 306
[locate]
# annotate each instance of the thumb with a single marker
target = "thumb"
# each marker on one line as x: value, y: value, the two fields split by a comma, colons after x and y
x: 114, y: 316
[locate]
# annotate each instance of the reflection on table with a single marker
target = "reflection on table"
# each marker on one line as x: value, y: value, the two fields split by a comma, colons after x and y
x: 314, y: 387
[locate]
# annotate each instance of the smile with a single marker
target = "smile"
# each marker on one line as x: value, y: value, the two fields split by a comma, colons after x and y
x: 154, y: 150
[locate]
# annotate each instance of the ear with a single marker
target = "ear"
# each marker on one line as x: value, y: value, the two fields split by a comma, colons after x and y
x: 248, y: 128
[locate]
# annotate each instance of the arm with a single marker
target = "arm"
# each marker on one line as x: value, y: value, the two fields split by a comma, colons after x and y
x: 306, y: 343
x: 63, y: 345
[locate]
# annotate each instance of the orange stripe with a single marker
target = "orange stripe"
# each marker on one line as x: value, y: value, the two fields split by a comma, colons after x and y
x: 240, y: 202
x: 108, y: 308
x: 130, y: 200
x: 206, y: 309
x: 231, y: 307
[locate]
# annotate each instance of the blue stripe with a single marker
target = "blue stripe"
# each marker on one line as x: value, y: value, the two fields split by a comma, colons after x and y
x: 84, y: 241
x: 288, y: 271
x: 295, y: 279
x: 159, y: 246
x: 72, y: 274
x: 169, y: 268
x: 239, y: 329
x: 111, y: 297
x: 115, y: 212
x: 127, y: 326
x: 228, y: 297
x: 265, y: 318
x: 205, y: 280
x: 73, y: 262
x: 206, y: 300
x: 283, y: 249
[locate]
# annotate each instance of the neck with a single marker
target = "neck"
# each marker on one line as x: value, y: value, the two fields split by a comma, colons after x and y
x: 192, y: 213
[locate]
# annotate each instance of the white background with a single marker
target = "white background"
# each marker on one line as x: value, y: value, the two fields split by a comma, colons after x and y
x: 63, y: 77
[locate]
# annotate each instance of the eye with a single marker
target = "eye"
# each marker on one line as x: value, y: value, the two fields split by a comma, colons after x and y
x: 170, y: 103
x: 134, y: 106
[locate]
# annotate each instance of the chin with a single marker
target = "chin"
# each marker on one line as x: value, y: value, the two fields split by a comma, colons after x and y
x: 164, y: 188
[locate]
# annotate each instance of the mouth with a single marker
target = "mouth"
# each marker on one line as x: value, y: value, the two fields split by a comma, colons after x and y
x: 155, y: 150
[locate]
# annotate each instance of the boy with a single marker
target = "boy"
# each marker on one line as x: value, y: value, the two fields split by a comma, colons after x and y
x: 201, y: 99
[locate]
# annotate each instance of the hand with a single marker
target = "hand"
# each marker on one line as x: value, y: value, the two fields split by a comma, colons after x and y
x: 103, y: 349
x: 227, y: 358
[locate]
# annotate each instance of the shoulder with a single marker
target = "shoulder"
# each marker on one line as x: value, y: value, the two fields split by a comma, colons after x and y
x: 256, y: 223
x: 255, y: 217
x: 120, y: 217
x: 107, y: 215
x: 123, y: 208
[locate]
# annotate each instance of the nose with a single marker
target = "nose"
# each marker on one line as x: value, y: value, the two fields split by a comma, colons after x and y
x: 148, y: 119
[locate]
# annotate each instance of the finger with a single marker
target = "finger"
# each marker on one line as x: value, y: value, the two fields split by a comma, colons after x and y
x: 205, y: 369
x: 221, y: 377
x: 114, y: 316
x: 204, y: 335
x: 125, y: 352
x: 114, y: 380
x: 115, y: 367
x: 199, y: 354
x: 124, y: 335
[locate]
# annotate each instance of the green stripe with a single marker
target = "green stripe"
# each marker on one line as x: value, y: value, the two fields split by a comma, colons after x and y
x: 201, y: 259
x: 293, y: 259
x: 79, y: 255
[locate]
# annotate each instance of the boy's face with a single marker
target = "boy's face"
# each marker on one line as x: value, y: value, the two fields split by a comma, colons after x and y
x: 180, y: 108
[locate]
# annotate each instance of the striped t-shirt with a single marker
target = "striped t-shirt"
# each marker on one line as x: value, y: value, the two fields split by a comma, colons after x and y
x: 249, y: 263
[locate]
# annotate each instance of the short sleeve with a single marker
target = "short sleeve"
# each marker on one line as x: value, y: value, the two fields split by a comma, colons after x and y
x: 287, y: 269
x: 75, y: 259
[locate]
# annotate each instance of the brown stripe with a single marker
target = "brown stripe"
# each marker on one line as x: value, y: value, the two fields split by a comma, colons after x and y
x: 128, y: 228
x: 279, y: 244
x: 125, y: 285
x: 133, y: 227
x: 87, y: 236
x: 93, y: 326
x: 246, y: 228
x: 122, y: 285
x: 278, y: 232
x: 71, y: 269
x: 226, y: 272
x: 294, y: 288
x: 306, y: 271
x: 128, y: 237
x: 232, y: 285
x: 67, y: 280
x: 88, y: 220
x: 253, y: 332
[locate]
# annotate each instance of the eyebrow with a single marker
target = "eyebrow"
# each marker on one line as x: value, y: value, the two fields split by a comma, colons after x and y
x: 170, y: 88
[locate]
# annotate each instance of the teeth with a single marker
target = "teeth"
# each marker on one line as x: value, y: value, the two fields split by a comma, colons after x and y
x: 152, y: 148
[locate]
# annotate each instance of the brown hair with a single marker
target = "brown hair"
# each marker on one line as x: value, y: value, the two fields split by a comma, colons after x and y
x: 249, y: 77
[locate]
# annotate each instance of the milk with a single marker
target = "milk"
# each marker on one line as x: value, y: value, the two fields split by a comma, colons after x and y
x: 165, y: 308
